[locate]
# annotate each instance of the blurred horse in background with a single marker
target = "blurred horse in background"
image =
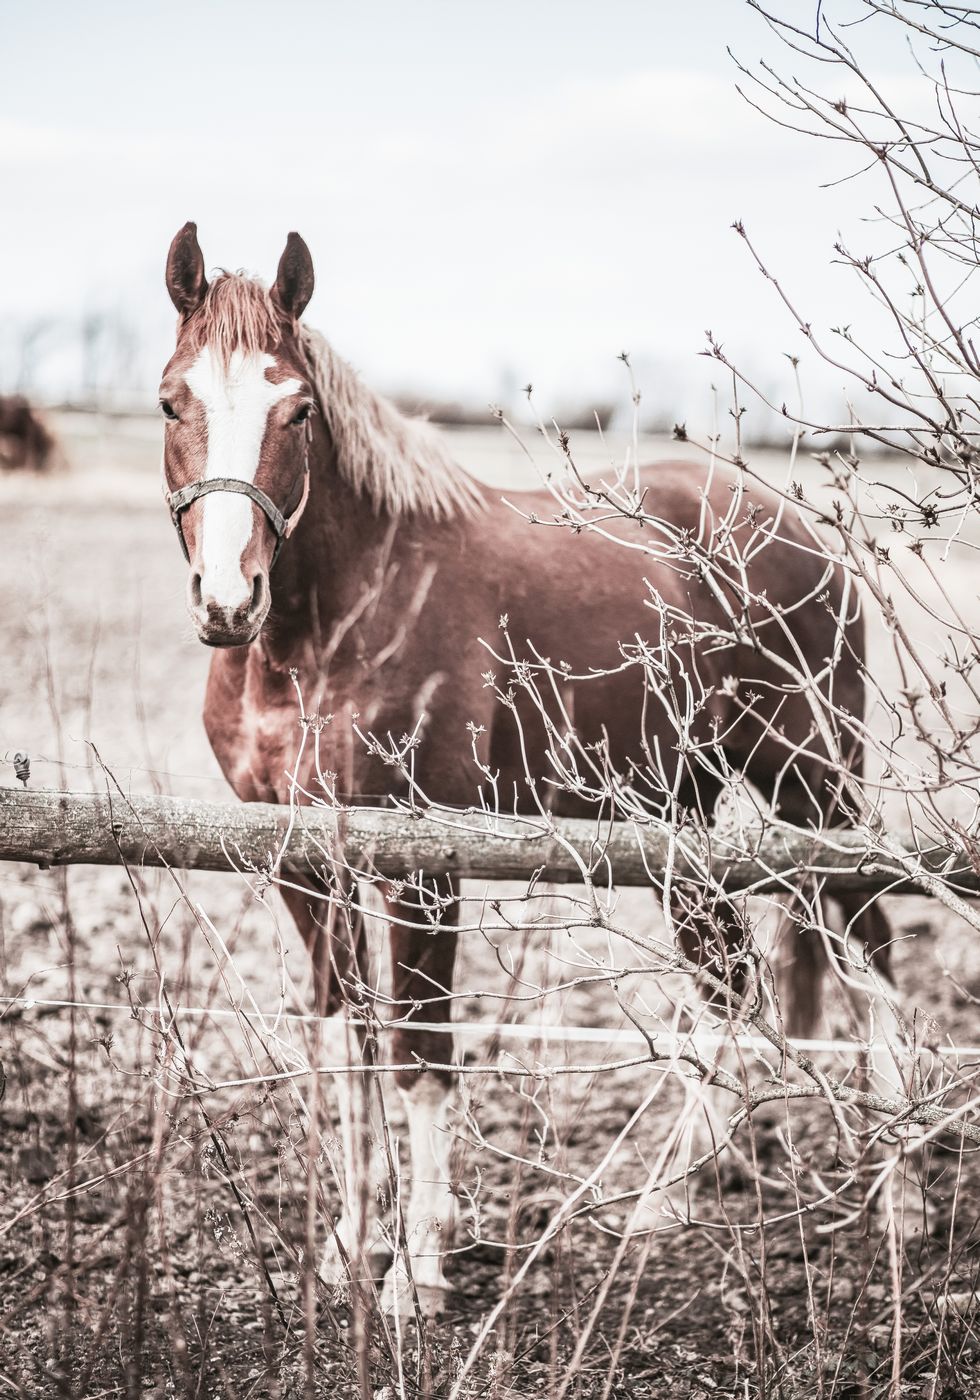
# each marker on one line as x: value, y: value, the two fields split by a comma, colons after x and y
x: 26, y: 443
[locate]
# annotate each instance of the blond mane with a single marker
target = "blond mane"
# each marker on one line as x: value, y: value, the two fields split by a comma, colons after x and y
x: 403, y: 465
x: 237, y: 313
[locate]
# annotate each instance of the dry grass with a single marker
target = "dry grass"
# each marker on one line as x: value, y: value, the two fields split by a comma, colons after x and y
x: 158, y: 1234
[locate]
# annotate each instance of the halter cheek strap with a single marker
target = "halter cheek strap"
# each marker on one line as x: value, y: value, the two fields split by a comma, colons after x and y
x: 282, y: 525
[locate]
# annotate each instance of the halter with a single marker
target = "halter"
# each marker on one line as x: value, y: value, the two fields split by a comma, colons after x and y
x: 282, y: 525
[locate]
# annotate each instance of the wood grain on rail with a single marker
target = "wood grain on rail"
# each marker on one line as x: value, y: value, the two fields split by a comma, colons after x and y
x: 66, y: 828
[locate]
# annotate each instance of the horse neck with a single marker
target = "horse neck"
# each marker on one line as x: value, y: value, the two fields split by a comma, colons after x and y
x: 342, y: 546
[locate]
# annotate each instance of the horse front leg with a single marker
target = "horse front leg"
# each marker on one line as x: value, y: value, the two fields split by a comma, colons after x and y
x: 423, y: 953
x: 335, y: 937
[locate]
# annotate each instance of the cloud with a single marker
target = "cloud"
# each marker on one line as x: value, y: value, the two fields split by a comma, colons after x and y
x: 531, y: 236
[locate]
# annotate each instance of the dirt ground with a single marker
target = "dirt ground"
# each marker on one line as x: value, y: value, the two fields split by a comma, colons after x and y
x: 155, y: 1241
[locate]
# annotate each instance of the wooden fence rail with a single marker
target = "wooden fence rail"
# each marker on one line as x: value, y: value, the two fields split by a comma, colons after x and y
x: 65, y: 828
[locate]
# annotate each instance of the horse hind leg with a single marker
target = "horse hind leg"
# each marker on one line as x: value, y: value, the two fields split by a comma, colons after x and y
x: 696, y: 1142
x: 862, y: 961
x: 335, y: 938
x: 858, y: 942
x: 775, y: 967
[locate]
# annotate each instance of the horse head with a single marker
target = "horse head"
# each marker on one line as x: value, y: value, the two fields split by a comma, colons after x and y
x: 238, y: 403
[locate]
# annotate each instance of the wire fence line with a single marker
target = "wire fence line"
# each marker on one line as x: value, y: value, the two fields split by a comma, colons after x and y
x: 503, y: 1030
x: 122, y: 771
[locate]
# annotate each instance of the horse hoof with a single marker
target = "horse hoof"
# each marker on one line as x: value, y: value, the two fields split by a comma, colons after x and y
x: 332, y: 1272
x: 398, y: 1297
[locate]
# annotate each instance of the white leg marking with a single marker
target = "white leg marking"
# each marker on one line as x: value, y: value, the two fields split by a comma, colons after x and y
x: 236, y: 400
x: 891, y: 1066
x: 430, y: 1215
x: 358, y: 1161
x: 701, y: 1127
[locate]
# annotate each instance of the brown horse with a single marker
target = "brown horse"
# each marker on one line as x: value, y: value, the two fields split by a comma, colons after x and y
x: 391, y: 564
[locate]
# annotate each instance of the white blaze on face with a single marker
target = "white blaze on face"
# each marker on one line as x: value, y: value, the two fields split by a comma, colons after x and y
x: 236, y: 402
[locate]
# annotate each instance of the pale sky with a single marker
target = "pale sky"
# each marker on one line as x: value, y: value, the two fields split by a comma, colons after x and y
x: 493, y: 193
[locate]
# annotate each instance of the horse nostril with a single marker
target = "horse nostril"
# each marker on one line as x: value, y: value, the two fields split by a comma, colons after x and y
x: 258, y: 594
x: 195, y: 590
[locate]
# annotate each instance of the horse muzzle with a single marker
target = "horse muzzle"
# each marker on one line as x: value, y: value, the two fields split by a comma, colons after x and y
x: 219, y: 625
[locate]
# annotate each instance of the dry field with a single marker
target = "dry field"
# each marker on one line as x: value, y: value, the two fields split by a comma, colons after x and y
x: 154, y: 1236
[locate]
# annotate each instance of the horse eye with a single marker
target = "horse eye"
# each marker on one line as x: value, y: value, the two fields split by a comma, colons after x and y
x: 168, y: 410
x: 301, y: 414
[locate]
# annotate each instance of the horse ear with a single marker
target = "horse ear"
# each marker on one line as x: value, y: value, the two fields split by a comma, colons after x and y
x: 186, y: 281
x: 294, y: 279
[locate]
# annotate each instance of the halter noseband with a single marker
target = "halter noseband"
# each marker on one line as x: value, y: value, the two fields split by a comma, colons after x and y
x: 282, y: 525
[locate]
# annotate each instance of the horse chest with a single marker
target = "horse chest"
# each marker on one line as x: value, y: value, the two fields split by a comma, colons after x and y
x: 252, y: 748
x: 254, y: 731
x: 271, y: 748
x: 258, y: 734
